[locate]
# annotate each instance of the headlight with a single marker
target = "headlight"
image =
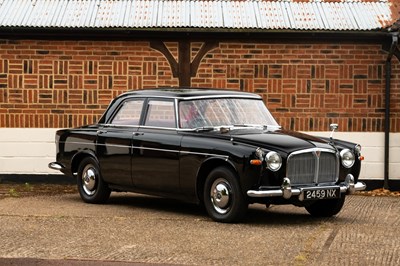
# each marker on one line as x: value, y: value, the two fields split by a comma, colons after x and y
x: 348, y: 158
x: 273, y: 160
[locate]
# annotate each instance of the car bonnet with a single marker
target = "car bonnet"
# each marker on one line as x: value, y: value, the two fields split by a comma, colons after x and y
x: 279, y: 140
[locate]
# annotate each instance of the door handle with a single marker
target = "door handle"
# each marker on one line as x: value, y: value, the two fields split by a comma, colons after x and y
x: 138, y: 134
x: 101, y: 131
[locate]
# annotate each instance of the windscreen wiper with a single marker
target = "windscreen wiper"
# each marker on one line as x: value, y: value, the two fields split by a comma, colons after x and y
x: 204, y: 129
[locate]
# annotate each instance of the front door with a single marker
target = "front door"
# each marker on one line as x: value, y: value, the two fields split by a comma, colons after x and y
x: 114, y: 143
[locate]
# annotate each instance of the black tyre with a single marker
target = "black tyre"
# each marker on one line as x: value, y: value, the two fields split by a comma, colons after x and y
x: 91, y: 186
x: 326, y: 208
x: 223, y: 198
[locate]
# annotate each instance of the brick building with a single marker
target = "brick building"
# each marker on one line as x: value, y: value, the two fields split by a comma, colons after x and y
x: 314, y: 62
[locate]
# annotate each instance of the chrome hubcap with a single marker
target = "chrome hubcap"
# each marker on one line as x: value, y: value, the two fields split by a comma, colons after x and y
x: 220, y: 195
x: 89, y: 179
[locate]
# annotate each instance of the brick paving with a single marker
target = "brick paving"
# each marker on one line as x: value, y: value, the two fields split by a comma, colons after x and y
x: 50, y: 225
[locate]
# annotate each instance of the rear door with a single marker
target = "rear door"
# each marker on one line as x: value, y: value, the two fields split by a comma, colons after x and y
x: 156, y: 146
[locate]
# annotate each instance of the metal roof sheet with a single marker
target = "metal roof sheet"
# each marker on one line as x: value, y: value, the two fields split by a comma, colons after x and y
x: 223, y: 14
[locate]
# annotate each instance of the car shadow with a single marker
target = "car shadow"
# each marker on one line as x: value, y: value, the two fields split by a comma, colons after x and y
x: 280, y: 215
x: 158, y: 204
x: 256, y: 214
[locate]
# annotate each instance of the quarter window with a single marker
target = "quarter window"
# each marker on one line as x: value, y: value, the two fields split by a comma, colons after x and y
x: 160, y: 114
x: 129, y: 113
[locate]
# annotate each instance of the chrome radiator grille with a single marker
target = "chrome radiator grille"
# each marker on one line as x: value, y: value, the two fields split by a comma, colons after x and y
x: 313, y: 166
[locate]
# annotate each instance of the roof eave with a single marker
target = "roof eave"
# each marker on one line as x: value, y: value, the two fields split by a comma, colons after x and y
x: 220, y: 34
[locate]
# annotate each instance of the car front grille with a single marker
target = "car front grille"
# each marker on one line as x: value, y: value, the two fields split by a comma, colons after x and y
x: 313, y: 166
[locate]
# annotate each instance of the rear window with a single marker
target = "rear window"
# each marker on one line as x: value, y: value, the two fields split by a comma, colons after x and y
x: 160, y: 114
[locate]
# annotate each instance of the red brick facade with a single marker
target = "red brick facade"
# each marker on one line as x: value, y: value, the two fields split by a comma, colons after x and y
x: 54, y: 84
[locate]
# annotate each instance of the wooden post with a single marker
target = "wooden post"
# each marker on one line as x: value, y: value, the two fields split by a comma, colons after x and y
x: 184, y: 69
x: 184, y: 63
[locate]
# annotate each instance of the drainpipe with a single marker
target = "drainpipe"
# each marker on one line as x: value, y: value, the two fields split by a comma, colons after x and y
x: 387, y: 107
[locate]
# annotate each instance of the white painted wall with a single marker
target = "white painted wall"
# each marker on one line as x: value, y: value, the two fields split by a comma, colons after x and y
x: 29, y: 150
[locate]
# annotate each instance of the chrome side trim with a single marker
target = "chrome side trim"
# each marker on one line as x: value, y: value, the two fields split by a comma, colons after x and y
x: 155, y: 127
x: 118, y: 146
x: 116, y: 126
x: 225, y: 157
x: 153, y: 149
x: 77, y: 142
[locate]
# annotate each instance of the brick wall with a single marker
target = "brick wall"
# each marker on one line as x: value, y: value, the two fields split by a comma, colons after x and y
x: 54, y: 84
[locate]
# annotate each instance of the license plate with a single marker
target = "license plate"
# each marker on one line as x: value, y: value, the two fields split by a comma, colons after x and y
x: 323, y: 193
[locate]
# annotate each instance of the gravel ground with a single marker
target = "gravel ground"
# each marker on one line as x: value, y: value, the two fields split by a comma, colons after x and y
x: 28, y: 189
x: 18, y: 190
x: 49, y: 225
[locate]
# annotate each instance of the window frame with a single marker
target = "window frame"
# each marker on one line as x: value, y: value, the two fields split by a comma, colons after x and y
x: 120, y: 106
x: 146, y: 107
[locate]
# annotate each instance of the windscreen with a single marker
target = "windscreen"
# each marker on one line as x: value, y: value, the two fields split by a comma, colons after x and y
x: 224, y: 112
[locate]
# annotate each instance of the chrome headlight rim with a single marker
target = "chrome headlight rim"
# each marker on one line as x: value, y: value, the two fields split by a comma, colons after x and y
x: 348, y: 158
x: 273, y: 161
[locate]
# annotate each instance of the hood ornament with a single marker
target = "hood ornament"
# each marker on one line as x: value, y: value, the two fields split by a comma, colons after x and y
x: 333, y: 128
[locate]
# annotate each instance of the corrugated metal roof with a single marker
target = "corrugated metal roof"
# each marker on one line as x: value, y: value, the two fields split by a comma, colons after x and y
x: 223, y: 14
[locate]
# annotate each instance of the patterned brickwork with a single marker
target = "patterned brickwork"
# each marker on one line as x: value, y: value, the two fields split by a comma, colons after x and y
x: 70, y: 83
x: 307, y: 87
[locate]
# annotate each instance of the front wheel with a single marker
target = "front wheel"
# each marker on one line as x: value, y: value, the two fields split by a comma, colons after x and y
x: 326, y: 208
x: 91, y: 186
x: 223, y: 198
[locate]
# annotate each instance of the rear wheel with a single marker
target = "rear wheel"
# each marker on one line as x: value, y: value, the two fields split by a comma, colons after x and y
x: 223, y: 198
x: 91, y: 186
x: 326, y: 208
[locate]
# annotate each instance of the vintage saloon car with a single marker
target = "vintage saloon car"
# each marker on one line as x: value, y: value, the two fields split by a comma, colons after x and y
x: 220, y: 148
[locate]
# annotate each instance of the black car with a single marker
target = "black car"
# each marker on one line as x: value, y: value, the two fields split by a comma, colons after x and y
x: 220, y: 148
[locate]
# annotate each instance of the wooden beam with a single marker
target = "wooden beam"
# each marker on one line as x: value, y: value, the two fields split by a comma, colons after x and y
x: 160, y: 46
x: 205, y: 48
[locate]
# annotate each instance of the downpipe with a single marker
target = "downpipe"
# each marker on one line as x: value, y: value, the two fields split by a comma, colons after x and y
x: 388, y: 70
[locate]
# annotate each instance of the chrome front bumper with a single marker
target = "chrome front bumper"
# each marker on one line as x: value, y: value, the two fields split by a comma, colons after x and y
x: 286, y: 191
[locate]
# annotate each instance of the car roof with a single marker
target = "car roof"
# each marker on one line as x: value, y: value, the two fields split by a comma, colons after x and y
x: 181, y: 93
x: 188, y: 93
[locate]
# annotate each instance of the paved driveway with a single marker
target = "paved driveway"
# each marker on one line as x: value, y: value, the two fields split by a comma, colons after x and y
x: 60, y: 228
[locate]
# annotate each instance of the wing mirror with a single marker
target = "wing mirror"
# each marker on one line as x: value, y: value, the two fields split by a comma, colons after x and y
x: 333, y: 128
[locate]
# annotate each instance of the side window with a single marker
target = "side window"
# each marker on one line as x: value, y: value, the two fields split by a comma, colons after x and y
x: 160, y: 114
x: 129, y: 113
